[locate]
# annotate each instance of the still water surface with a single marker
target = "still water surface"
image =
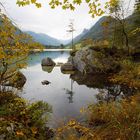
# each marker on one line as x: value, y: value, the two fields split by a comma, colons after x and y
x: 64, y: 95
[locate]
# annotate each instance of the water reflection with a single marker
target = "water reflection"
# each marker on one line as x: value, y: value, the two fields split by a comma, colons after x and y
x: 70, y: 92
x: 67, y: 93
x: 110, y: 94
x: 107, y: 91
x: 90, y: 80
x: 36, y: 58
x: 48, y: 69
x: 62, y: 52
x: 114, y: 92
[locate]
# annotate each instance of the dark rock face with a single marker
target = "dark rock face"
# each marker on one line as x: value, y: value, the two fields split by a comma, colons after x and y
x: 47, y: 62
x: 67, y: 67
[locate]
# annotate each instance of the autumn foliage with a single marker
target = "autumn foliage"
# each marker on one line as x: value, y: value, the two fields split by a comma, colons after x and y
x: 15, y: 47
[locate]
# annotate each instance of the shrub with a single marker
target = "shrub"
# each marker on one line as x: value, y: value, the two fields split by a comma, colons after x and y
x: 106, y: 121
x: 20, y: 119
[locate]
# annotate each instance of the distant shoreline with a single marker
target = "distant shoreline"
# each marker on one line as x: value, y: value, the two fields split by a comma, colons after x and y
x: 37, y: 50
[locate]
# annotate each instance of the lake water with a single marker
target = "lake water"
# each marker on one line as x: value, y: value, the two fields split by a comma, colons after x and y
x: 65, y: 96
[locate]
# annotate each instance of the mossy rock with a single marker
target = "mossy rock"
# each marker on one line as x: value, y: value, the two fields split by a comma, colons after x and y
x: 17, y: 81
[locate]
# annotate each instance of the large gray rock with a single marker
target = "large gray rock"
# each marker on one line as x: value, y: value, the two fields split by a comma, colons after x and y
x: 47, y: 62
x: 89, y: 60
x: 83, y: 60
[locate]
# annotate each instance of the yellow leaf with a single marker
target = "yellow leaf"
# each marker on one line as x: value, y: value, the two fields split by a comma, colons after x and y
x: 38, y: 5
x: 34, y: 130
x: 33, y: 1
x: 19, y: 133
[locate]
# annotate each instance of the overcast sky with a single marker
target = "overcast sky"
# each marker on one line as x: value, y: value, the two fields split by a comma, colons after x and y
x: 53, y: 22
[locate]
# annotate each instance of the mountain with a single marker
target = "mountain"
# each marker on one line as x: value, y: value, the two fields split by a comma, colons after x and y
x: 40, y: 37
x: 44, y: 39
x: 100, y: 32
x: 96, y: 32
x: 65, y: 42
x: 77, y: 38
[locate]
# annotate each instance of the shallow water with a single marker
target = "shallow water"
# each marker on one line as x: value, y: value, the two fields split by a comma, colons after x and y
x: 64, y: 95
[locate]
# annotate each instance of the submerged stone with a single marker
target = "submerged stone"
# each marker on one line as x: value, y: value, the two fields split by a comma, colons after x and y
x: 45, y: 82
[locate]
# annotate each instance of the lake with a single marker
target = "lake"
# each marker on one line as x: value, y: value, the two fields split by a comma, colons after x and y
x: 65, y: 96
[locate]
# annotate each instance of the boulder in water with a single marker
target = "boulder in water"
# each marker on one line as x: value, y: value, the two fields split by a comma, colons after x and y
x: 47, y: 62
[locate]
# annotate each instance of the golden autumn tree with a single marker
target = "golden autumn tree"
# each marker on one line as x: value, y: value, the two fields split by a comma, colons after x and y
x: 96, y: 7
x: 15, y: 47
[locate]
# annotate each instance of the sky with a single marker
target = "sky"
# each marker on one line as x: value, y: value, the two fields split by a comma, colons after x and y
x: 53, y: 22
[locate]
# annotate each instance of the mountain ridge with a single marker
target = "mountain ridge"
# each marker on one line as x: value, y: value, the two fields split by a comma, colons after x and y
x: 96, y: 31
x: 44, y: 39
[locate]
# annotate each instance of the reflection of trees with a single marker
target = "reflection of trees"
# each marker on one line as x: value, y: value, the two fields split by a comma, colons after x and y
x: 114, y: 92
x: 109, y: 93
x: 70, y: 97
x: 107, y: 90
x: 61, y: 52
x: 70, y: 93
x: 62, y: 47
